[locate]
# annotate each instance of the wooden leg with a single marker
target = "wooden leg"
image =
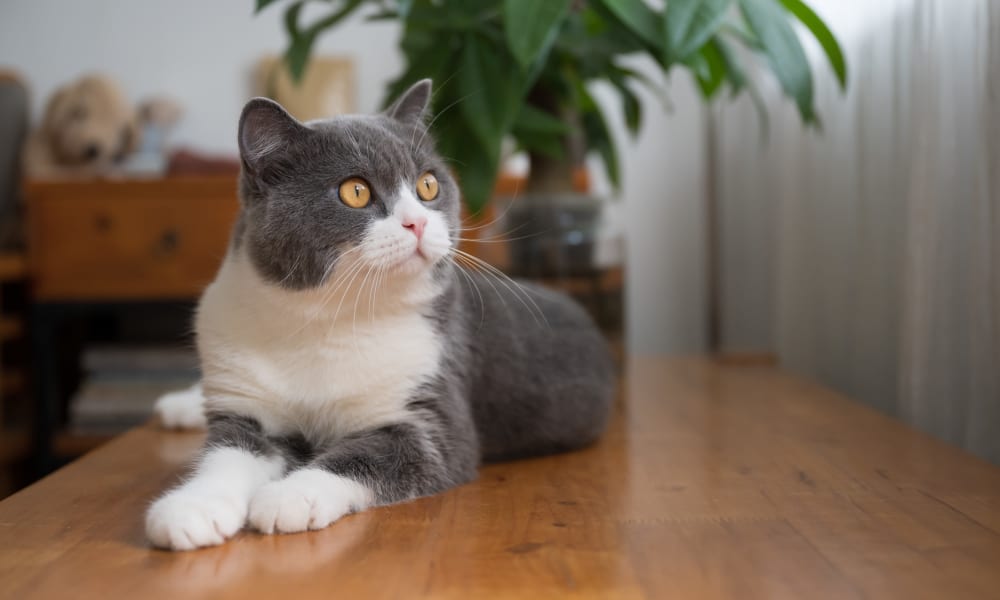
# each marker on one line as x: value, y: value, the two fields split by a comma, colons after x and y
x: 44, y: 388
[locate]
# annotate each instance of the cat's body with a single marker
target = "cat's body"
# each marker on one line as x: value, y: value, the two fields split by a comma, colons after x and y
x: 347, y: 362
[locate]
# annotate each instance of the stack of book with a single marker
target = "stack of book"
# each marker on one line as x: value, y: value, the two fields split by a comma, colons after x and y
x: 121, y: 384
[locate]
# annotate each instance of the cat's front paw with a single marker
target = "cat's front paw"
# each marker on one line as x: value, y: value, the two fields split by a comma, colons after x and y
x: 306, y: 499
x: 184, y: 409
x: 185, y: 520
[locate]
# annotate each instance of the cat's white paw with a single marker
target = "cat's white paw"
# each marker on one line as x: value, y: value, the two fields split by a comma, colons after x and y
x: 184, y: 409
x: 306, y: 499
x: 185, y: 520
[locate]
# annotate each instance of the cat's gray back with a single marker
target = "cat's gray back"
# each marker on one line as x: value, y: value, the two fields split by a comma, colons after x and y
x: 537, y: 373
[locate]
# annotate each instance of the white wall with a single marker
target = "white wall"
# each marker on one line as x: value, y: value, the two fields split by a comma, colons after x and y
x: 202, y: 53
x: 199, y: 52
x: 663, y: 193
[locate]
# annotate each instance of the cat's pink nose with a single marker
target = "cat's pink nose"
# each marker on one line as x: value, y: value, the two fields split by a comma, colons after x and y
x: 416, y: 225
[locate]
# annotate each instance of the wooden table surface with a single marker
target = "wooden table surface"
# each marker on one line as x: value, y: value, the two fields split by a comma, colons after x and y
x: 713, y: 482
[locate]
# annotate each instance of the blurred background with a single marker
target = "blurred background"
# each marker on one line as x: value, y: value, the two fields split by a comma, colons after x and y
x: 704, y: 181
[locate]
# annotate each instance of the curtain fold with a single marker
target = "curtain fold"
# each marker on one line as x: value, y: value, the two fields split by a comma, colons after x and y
x: 870, y: 251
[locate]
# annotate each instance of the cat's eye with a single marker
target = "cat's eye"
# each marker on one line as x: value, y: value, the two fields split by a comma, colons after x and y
x: 355, y: 193
x: 427, y: 187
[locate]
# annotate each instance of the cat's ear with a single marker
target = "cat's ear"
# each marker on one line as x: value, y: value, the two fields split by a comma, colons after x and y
x: 265, y: 128
x: 411, y: 107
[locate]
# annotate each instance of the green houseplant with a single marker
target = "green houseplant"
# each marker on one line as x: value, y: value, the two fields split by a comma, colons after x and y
x: 519, y: 68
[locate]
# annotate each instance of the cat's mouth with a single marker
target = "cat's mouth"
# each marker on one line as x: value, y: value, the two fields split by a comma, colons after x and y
x: 413, y: 261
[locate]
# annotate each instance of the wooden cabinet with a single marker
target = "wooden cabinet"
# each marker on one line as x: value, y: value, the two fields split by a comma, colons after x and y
x: 127, y: 240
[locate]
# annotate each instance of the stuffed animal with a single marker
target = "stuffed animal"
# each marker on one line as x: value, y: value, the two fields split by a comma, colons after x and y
x: 89, y: 129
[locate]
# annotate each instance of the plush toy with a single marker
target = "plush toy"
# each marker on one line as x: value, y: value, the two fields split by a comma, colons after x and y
x: 157, y: 116
x: 90, y: 129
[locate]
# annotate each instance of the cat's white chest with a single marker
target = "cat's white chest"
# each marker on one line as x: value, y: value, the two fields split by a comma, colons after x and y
x: 296, y: 374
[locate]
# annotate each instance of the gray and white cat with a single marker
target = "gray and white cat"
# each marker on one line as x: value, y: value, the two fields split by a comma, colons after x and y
x: 347, y: 360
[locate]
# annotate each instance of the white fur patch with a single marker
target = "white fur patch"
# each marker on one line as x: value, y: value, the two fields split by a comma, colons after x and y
x: 323, y: 362
x: 212, y: 505
x: 306, y: 499
x: 183, y: 409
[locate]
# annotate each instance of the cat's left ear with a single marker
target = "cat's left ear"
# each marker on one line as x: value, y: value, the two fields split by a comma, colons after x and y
x: 265, y: 130
x: 411, y: 107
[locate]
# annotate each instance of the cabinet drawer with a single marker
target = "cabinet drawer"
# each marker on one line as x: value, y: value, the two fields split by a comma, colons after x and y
x: 128, y: 240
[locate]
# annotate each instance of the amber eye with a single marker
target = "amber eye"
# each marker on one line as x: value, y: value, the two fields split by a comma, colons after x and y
x: 355, y: 193
x: 427, y: 187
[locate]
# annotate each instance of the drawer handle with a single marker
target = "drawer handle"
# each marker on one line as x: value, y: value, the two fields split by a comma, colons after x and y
x: 167, y: 243
x: 102, y: 223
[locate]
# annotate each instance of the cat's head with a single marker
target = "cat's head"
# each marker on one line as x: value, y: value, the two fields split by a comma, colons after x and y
x: 365, y: 192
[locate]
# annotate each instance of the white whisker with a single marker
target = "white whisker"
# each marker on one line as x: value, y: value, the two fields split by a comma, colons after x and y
x: 503, y: 278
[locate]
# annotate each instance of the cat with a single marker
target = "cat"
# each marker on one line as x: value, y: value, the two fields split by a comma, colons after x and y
x: 348, y: 359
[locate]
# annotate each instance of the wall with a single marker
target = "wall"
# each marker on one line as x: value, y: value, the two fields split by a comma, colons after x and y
x: 203, y: 52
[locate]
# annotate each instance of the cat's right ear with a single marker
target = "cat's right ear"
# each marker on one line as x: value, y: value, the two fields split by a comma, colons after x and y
x: 411, y: 108
x: 265, y: 129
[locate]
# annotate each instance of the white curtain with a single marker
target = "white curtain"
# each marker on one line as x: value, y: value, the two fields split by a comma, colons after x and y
x: 868, y: 256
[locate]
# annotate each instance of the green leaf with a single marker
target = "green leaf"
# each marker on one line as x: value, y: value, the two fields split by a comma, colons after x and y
x: 632, y: 109
x: 302, y: 40
x: 631, y: 106
x: 654, y: 88
x: 292, y: 18
x: 489, y: 94
x: 297, y: 55
x: 536, y: 120
x: 383, y: 15
x: 600, y: 139
x: 715, y: 70
x: 734, y: 68
x: 598, y: 136
x: 538, y: 131
x: 531, y: 26
x: 738, y: 81
x: 761, y: 106
x: 260, y: 5
x: 740, y: 32
x: 490, y: 83
x: 770, y: 23
x: 551, y: 146
x: 638, y: 17
x: 688, y: 24
x: 403, y: 7
x: 478, y: 177
x: 335, y: 17
x: 823, y: 35
x: 475, y: 165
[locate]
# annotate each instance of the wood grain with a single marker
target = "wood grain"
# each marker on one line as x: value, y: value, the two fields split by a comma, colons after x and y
x: 128, y: 240
x: 714, y: 481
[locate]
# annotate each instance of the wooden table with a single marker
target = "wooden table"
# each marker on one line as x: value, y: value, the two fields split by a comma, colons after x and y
x: 714, y: 481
